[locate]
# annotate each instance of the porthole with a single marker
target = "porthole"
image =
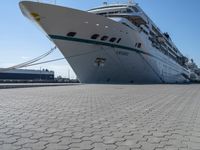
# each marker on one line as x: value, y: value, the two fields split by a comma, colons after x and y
x: 113, y: 39
x: 95, y: 36
x: 139, y: 45
x: 104, y: 38
x: 71, y: 34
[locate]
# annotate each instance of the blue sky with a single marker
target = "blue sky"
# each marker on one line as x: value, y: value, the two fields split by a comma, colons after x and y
x: 21, y: 40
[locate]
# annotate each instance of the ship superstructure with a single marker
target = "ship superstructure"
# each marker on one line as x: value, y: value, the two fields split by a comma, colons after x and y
x: 115, y: 43
x: 135, y: 18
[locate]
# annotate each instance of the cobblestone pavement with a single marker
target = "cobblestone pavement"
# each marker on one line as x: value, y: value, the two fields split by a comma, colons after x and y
x: 99, y: 117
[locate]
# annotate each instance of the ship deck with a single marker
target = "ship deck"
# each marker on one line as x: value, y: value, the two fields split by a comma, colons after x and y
x: 98, y: 117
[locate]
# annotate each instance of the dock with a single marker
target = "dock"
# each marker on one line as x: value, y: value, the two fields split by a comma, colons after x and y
x: 31, y: 85
x: 101, y: 117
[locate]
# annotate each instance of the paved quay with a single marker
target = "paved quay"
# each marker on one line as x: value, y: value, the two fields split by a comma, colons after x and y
x: 101, y: 117
x: 29, y: 85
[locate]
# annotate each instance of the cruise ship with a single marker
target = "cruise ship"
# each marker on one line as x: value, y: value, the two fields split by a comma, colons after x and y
x: 113, y: 43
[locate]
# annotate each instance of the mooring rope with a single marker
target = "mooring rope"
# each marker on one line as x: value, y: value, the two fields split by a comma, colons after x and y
x: 44, y: 62
x: 32, y: 62
x: 22, y: 65
x: 58, y: 59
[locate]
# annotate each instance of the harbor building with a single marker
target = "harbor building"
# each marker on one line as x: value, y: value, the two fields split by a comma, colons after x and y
x: 24, y: 74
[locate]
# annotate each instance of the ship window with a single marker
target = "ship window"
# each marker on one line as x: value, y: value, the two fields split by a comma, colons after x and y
x: 71, y: 34
x: 95, y: 36
x: 104, y: 38
x: 139, y: 45
x: 129, y: 11
x: 134, y: 8
x: 101, y: 13
x: 145, y: 32
x: 113, y: 39
x: 118, y: 40
x: 106, y: 7
x: 111, y: 12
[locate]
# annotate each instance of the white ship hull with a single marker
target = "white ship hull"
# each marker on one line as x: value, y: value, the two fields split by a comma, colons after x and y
x: 119, y: 62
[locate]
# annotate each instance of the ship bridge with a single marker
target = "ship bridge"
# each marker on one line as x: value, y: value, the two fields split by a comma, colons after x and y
x: 132, y: 12
x: 112, y: 9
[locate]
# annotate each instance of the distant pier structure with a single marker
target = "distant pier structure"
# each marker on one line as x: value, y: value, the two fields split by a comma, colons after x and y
x: 24, y: 74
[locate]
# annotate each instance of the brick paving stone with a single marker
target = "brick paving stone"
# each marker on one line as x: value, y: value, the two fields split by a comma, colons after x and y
x: 195, y: 139
x: 176, y: 143
x: 159, y: 134
x: 36, y: 146
x: 73, y: 149
x: 9, y: 147
x: 196, y: 134
x: 154, y: 140
x: 194, y: 146
x: 183, y: 149
x: 69, y: 140
x: 25, y: 149
x: 53, y: 139
x: 56, y: 146
x: 123, y: 148
x: 111, y: 140
x: 171, y: 148
x: 10, y: 140
x: 148, y: 146
x: 38, y: 135
x: 84, y: 145
x: 129, y: 144
x: 96, y: 138
x: 25, y: 134
x: 102, y: 146
x: 23, y: 141
x: 98, y: 117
